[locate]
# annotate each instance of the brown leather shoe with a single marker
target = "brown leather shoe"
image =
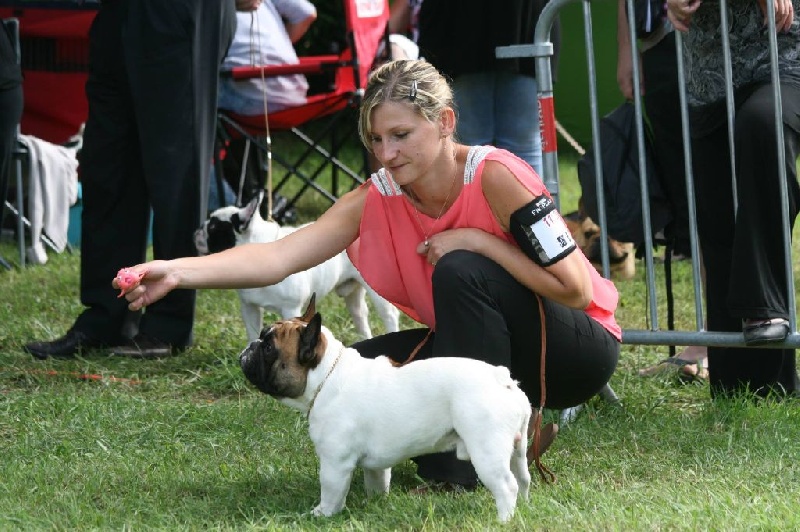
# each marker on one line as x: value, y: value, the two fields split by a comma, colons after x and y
x: 546, y: 438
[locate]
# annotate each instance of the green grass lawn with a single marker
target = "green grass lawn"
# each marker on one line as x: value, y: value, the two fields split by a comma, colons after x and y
x: 186, y: 443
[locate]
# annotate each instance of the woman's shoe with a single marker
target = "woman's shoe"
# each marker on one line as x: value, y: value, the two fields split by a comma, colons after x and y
x: 546, y: 438
x: 760, y: 332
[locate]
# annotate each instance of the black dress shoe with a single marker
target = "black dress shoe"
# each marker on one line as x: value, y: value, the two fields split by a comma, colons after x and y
x: 143, y: 346
x: 65, y: 347
x: 760, y: 332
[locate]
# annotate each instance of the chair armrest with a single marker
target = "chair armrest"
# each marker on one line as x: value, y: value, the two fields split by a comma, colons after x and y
x: 308, y: 65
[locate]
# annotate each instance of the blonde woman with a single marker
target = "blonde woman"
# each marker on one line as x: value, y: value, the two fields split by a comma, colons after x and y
x: 464, y: 239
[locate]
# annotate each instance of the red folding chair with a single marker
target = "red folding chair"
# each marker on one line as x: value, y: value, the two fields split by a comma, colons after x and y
x: 324, y: 125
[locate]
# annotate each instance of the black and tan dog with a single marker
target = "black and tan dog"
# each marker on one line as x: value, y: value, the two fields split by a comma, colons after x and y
x: 586, y: 233
x: 372, y: 414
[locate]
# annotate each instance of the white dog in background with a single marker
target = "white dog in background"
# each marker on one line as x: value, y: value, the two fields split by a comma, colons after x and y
x: 231, y: 226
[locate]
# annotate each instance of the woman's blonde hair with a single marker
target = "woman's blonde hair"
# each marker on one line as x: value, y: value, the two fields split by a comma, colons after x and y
x: 412, y: 81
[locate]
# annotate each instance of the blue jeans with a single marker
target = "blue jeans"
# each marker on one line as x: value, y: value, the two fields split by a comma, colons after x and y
x: 500, y: 108
x: 214, y: 202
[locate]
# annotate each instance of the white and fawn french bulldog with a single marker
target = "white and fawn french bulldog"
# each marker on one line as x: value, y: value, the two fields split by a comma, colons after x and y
x: 373, y: 414
x: 231, y: 226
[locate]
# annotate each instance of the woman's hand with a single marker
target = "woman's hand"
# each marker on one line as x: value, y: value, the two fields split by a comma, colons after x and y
x: 157, y: 280
x: 680, y: 12
x: 441, y: 243
x: 784, y: 13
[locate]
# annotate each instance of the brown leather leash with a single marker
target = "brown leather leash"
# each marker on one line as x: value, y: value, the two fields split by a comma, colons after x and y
x: 548, y: 477
x: 413, y: 353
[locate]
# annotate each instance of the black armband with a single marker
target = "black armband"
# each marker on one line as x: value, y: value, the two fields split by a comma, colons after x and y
x: 541, y: 232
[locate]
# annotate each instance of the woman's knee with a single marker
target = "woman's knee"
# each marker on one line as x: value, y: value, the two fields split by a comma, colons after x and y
x: 459, y: 268
x: 755, y: 120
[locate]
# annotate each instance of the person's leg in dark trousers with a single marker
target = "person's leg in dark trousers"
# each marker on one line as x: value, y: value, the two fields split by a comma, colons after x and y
x: 173, y: 52
x: 397, y: 345
x: 483, y: 313
x: 758, y: 273
x: 152, y: 96
x: 662, y: 104
x: 741, y: 270
x: 115, y: 215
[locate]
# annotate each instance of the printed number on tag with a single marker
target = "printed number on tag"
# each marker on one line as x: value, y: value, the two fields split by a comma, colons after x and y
x: 552, y: 234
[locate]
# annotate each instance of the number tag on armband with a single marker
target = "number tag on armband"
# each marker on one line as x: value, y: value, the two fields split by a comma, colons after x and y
x: 541, y: 232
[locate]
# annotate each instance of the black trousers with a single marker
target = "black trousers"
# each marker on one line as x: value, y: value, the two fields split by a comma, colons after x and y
x: 11, y: 104
x: 484, y: 313
x: 743, y: 251
x: 663, y: 107
x: 152, y: 92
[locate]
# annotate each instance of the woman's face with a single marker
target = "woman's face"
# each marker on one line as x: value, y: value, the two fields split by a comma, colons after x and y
x: 405, y: 143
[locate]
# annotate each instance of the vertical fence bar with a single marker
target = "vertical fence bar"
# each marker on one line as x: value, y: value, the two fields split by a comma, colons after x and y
x: 644, y: 186
x: 596, y: 147
x: 689, y: 178
x: 729, y: 100
x: 784, y: 199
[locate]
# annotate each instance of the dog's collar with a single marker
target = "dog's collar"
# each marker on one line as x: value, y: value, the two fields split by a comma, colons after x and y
x: 321, y: 384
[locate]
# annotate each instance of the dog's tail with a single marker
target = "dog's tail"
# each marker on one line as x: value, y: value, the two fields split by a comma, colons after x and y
x: 503, y: 377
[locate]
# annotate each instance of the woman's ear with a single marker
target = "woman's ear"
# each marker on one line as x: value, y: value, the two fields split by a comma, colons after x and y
x: 447, y: 122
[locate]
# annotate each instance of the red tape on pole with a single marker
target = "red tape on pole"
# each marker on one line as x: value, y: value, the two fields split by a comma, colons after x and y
x: 547, y: 124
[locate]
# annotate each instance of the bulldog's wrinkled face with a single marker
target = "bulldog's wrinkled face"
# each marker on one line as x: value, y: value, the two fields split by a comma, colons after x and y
x: 279, y: 361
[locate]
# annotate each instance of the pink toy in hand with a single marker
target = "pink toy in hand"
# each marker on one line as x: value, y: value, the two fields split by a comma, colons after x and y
x: 127, y: 280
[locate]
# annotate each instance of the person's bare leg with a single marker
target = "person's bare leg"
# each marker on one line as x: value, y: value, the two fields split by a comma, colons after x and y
x: 692, y: 361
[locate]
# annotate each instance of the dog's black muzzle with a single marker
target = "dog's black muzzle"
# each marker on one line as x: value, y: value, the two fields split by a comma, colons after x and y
x: 257, y: 361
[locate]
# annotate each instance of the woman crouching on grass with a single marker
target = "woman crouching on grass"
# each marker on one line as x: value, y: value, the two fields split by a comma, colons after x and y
x: 463, y: 239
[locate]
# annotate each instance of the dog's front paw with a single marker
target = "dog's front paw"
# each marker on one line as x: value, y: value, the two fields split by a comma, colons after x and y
x: 319, y: 511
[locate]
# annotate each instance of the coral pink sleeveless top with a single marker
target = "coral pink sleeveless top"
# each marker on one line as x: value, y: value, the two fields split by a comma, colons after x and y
x: 385, y: 252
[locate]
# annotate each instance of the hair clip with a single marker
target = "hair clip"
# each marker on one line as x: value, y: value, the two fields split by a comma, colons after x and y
x: 412, y: 95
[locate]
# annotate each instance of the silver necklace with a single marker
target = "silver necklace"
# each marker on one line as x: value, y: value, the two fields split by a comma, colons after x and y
x: 428, y: 233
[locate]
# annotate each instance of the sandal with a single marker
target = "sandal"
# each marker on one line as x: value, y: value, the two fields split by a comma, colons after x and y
x: 687, y: 370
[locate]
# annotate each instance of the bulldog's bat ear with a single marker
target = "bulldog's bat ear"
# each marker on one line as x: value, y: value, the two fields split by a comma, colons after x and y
x: 247, y: 212
x: 311, y: 309
x: 309, y: 339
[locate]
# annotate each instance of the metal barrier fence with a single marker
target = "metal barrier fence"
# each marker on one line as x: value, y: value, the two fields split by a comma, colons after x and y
x: 542, y: 50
